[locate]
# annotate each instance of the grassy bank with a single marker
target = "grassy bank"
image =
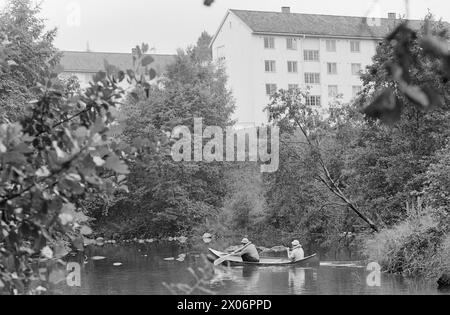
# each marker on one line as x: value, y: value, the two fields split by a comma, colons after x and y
x: 415, y: 247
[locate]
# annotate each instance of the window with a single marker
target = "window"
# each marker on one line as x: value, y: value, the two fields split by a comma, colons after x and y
x: 332, y: 91
x: 355, y: 46
x: 292, y: 87
x: 313, y: 100
x: 332, y: 68
x: 291, y: 43
x: 270, y: 66
x: 312, y: 78
x: 356, y: 68
x: 356, y: 90
x: 271, y: 89
x: 269, y: 42
x: 292, y: 66
x: 311, y: 55
x: 331, y: 45
x: 221, y: 53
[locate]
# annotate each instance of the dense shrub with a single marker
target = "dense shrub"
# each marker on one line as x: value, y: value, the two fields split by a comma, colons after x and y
x: 416, y: 247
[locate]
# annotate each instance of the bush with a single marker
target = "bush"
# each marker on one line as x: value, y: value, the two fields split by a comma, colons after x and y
x: 416, y: 247
x: 442, y: 261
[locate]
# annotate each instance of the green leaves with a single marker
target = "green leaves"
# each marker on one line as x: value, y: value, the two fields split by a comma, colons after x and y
x: 117, y: 165
x: 49, y: 161
x: 410, y: 53
x: 425, y: 98
x: 78, y: 243
x: 57, y: 276
x: 85, y: 230
x: 434, y: 45
x: 52, y: 154
x: 384, y: 107
x: 152, y: 74
x: 147, y: 60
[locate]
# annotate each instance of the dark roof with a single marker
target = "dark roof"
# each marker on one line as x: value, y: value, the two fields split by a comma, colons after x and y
x: 316, y: 24
x: 92, y: 62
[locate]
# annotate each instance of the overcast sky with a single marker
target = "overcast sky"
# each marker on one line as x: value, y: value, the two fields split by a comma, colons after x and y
x: 118, y: 25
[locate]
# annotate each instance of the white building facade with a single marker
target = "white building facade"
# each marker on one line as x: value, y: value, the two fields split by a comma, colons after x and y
x: 267, y: 51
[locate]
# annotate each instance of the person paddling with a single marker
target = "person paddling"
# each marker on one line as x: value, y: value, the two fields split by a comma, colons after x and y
x: 248, y: 252
x: 297, y: 252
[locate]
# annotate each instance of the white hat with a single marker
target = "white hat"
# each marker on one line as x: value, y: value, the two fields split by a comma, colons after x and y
x: 296, y: 243
x: 245, y: 241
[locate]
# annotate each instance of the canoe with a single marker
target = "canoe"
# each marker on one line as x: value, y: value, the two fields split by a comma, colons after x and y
x: 232, y: 261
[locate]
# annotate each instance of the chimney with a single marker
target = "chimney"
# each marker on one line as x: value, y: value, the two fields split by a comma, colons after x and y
x: 392, y: 16
x: 286, y: 9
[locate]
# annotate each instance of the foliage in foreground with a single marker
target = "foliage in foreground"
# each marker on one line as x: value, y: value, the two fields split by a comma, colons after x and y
x: 60, y: 151
x: 50, y: 161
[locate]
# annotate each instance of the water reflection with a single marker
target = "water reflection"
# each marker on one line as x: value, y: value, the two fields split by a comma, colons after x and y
x: 251, y: 276
x: 144, y: 269
x: 297, y: 280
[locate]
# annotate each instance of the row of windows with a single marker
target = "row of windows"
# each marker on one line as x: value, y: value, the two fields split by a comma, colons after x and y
x: 314, y: 78
x: 291, y: 44
x: 311, y: 100
x: 292, y: 67
x: 332, y: 68
x: 333, y: 91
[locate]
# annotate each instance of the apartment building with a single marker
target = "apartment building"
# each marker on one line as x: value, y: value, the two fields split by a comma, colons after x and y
x: 267, y: 51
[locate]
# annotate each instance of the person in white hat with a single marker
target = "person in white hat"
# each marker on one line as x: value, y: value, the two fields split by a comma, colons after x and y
x: 248, y: 252
x: 297, y: 252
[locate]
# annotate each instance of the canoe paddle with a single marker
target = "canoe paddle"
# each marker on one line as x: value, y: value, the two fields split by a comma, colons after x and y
x: 224, y: 258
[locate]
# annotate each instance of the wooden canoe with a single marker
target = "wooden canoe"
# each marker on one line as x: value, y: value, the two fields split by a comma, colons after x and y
x: 309, y: 261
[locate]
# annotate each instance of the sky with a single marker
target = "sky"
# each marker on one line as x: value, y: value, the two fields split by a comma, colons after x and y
x: 167, y: 25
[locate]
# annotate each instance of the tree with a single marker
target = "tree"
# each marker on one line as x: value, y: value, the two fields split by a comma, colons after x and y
x: 391, y: 160
x: 202, y: 52
x: 170, y: 198
x: 437, y: 185
x: 30, y: 53
x: 61, y: 151
x: 404, y: 54
x: 289, y: 111
x: 49, y: 162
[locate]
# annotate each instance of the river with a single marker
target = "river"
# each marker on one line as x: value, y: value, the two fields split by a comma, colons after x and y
x: 142, y: 270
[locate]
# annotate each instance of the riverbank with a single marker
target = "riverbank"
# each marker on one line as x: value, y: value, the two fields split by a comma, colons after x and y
x: 415, y: 247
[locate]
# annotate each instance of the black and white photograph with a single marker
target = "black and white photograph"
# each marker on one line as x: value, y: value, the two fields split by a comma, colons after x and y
x: 225, y: 155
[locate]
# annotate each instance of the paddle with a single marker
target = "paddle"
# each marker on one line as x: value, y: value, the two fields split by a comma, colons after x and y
x: 224, y: 258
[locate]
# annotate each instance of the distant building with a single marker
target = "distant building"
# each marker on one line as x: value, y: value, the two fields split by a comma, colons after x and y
x: 84, y: 65
x: 267, y: 51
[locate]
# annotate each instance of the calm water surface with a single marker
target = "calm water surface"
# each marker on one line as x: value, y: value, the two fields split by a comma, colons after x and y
x: 144, y: 270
